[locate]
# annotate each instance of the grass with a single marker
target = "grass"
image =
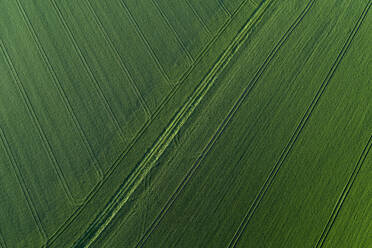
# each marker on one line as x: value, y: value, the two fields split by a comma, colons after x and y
x: 188, y: 124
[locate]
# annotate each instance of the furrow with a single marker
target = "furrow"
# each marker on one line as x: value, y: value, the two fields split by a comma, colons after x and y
x: 89, y: 71
x: 22, y: 183
x: 33, y: 116
x: 179, y: 40
x: 146, y: 42
x: 61, y: 92
x: 119, y: 59
x: 296, y: 134
x: 344, y: 194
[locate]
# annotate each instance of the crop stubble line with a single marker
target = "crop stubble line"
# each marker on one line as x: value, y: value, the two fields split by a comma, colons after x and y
x: 344, y: 194
x: 119, y: 58
x: 145, y: 41
x: 130, y: 185
x: 92, y: 77
x: 7, y: 148
x: 179, y: 40
x: 147, y: 124
x: 200, y: 20
x: 66, y: 105
x: 294, y: 137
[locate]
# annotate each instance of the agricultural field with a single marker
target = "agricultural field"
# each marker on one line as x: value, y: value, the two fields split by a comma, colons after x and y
x: 157, y: 123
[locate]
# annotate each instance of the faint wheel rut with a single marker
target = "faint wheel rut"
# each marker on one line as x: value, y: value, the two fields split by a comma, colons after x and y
x: 161, y: 144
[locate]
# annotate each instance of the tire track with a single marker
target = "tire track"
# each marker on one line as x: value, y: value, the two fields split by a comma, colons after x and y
x: 179, y: 40
x: 89, y: 71
x: 344, y: 194
x: 223, y: 125
x: 33, y: 116
x: 2, y: 241
x: 300, y: 127
x: 145, y: 166
x: 57, y: 83
x: 119, y: 58
x: 146, y: 42
x: 147, y: 124
x: 200, y: 20
x: 65, y: 102
x: 25, y: 191
x: 225, y: 9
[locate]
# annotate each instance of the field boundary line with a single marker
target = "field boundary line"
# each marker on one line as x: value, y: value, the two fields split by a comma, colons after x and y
x: 22, y: 184
x: 145, y: 166
x: 344, y: 194
x: 119, y: 58
x: 147, y: 124
x: 179, y: 40
x: 33, y: 116
x: 200, y: 19
x: 65, y: 101
x: 218, y: 133
x: 145, y: 41
x: 89, y: 71
x: 224, y: 8
x: 288, y: 148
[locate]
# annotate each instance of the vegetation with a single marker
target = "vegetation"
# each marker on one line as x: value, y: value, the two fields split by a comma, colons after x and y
x: 243, y: 123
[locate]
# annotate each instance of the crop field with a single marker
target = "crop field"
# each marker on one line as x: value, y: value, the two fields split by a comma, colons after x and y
x: 157, y: 123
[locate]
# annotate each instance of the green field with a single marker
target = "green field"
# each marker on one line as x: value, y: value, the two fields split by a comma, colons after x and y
x: 216, y: 123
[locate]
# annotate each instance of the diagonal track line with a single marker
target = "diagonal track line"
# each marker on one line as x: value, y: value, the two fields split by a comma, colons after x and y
x: 223, y: 126
x: 89, y: 71
x: 135, y: 179
x: 296, y: 134
x: 178, y: 38
x: 145, y: 41
x: 344, y: 195
x: 207, y: 48
x: 199, y: 18
x: 119, y: 58
x: 25, y: 190
x: 62, y: 93
x: 31, y: 112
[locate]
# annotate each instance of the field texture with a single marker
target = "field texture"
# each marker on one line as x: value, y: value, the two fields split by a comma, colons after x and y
x: 157, y: 123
